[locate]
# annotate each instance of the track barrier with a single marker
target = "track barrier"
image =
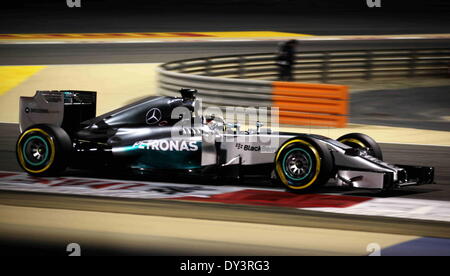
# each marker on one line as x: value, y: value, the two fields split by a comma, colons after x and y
x: 250, y: 80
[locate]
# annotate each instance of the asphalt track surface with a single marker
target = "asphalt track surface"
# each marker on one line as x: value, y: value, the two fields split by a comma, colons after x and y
x: 47, y: 54
x: 38, y: 242
x: 420, y: 108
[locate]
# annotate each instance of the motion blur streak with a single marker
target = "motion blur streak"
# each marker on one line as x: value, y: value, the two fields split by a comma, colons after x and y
x: 11, y: 76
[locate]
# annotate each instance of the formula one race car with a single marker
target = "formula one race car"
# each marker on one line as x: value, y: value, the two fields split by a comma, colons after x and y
x: 59, y: 129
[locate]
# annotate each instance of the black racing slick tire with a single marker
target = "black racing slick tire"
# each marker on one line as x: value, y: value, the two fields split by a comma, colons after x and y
x: 303, y: 164
x: 43, y: 150
x: 359, y: 140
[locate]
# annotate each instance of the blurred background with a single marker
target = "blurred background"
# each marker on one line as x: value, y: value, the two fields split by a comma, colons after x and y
x: 321, y: 17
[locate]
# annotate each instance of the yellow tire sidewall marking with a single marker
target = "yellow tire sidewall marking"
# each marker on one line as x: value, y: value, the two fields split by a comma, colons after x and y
x: 354, y: 141
x: 20, y: 153
x: 279, y: 168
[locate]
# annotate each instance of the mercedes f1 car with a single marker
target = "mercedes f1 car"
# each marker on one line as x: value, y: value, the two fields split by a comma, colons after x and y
x: 59, y: 130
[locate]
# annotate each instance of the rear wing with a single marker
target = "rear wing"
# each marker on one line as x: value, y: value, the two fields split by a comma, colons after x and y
x: 66, y: 109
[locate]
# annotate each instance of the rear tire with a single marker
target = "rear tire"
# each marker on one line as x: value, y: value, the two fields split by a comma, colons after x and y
x: 43, y: 150
x: 303, y: 164
x: 359, y: 140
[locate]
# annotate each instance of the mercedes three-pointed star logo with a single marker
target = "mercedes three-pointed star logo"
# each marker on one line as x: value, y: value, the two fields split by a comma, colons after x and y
x: 153, y: 116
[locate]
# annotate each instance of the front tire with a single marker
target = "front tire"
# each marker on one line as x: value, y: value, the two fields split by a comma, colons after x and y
x: 359, y: 140
x: 303, y: 164
x: 43, y: 150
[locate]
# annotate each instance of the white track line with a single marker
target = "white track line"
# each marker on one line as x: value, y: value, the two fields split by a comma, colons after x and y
x: 397, y: 207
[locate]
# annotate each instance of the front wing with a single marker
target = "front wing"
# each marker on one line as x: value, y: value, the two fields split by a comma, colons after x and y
x: 406, y: 176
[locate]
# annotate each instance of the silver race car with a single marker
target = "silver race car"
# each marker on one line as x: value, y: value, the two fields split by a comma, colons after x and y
x: 166, y: 135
